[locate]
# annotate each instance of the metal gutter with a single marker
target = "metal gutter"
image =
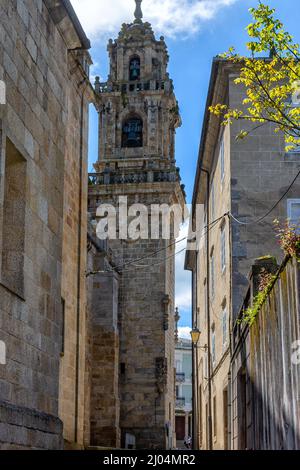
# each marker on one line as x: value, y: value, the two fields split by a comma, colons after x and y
x: 213, y: 76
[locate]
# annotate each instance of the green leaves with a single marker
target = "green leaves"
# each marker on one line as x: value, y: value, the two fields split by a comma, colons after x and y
x: 271, y: 78
x: 250, y: 314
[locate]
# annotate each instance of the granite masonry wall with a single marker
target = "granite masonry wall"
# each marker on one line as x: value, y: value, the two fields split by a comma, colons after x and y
x: 43, y: 99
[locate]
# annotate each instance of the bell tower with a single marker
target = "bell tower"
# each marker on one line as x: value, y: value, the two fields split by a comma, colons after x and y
x: 138, y: 117
x: 138, y: 112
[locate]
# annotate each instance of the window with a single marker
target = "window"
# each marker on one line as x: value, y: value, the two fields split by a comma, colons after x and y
x: 156, y: 68
x: 178, y: 366
x: 223, y: 249
x: 212, y: 275
x: 134, y: 69
x: 2, y: 353
x: 200, y: 424
x: 242, y: 409
x: 293, y: 211
x: 206, y: 365
x: 132, y: 135
x: 224, y: 328
x: 213, y: 201
x: 213, y: 347
x: 215, y: 416
x: 203, y: 238
x: 13, y: 235
x: 187, y: 393
x: 225, y: 418
x: 177, y: 391
x: 222, y: 159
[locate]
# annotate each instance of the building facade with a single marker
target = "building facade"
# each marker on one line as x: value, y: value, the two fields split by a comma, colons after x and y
x: 243, y: 178
x: 183, y: 390
x: 44, y: 64
x: 265, y: 363
x: 138, y: 115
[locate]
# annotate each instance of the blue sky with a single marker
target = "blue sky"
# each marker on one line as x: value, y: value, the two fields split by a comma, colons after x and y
x: 195, y: 31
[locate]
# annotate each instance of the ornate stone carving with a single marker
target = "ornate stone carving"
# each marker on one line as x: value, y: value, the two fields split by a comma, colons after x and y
x: 166, y: 302
x: 138, y: 14
x: 161, y: 373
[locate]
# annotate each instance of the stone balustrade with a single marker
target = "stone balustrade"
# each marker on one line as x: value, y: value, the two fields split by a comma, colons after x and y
x: 180, y: 402
x: 135, y: 177
x: 180, y: 377
x: 133, y: 87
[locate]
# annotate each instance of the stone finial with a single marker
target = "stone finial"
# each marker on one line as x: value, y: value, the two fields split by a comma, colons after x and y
x: 138, y: 11
x: 177, y: 318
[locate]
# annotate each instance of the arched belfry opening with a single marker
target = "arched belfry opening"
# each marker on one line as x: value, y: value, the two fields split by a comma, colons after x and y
x: 132, y: 132
x: 134, y: 68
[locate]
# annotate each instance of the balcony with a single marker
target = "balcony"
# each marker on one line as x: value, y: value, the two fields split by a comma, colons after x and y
x: 180, y: 402
x: 133, y: 87
x: 124, y: 177
x: 180, y: 376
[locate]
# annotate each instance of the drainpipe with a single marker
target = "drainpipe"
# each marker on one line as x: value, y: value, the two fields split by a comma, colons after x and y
x: 195, y: 390
x: 210, y: 446
x: 194, y: 363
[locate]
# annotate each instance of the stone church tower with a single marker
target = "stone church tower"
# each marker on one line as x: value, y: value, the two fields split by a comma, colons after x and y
x: 133, y: 303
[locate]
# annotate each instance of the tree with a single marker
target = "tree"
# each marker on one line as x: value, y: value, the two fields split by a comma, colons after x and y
x: 272, y: 83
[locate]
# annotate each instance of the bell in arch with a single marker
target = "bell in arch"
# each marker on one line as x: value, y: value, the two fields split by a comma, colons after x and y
x: 134, y: 69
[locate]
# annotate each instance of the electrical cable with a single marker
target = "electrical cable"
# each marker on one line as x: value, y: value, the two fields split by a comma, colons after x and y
x: 178, y: 252
x: 153, y: 253
x: 260, y: 219
x: 170, y: 245
x: 132, y: 262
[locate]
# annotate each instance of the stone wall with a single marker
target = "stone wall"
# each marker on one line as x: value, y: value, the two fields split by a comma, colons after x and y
x: 257, y: 173
x: 73, y: 291
x: 22, y: 427
x: 146, y: 322
x: 265, y: 381
x: 35, y: 65
x: 142, y: 168
x: 220, y: 295
x: 104, y: 415
x: 261, y: 172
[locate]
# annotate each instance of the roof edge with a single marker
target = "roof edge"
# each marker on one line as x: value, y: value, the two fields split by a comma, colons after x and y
x: 76, y: 23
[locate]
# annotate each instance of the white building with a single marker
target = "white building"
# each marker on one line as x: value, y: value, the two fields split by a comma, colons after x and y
x: 183, y: 406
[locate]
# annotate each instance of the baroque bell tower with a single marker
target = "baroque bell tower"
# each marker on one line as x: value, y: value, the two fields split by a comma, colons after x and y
x: 138, y: 116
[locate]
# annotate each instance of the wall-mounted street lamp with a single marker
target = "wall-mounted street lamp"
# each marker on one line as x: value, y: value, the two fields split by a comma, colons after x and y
x: 195, y: 335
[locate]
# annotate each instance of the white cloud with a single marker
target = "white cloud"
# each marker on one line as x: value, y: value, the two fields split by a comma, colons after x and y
x: 101, y: 18
x: 184, y: 332
x: 94, y: 72
x: 183, y: 278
